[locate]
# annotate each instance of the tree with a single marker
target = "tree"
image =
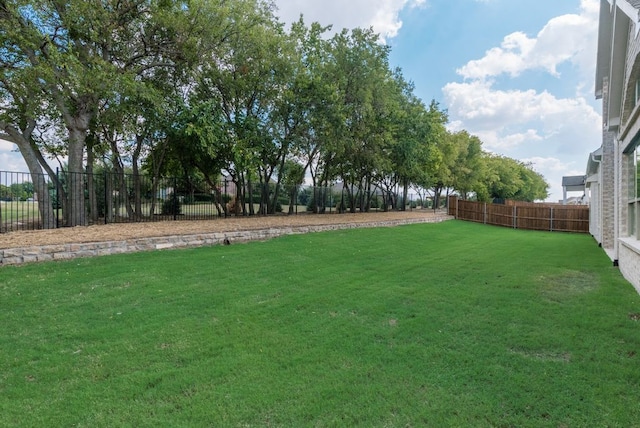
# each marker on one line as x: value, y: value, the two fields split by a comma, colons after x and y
x: 82, y: 55
x: 438, y: 152
x: 319, y: 98
x: 469, y: 167
x: 17, y: 124
x: 292, y: 177
x: 534, y: 186
x: 243, y: 74
x: 365, y: 88
x: 512, y: 179
x: 199, y: 87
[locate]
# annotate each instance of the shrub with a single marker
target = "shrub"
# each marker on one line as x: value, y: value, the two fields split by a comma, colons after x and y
x: 171, y: 206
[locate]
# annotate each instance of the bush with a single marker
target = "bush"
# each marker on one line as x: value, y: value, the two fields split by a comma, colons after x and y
x: 171, y: 206
x: 203, y: 197
x: 304, y: 196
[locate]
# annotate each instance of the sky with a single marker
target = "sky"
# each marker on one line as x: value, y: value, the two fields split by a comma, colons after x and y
x: 519, y: 74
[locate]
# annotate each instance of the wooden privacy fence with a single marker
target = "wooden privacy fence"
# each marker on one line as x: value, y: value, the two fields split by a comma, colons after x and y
x: 552, y: 217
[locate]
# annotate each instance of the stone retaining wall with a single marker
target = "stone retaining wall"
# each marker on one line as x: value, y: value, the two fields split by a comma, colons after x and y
x: 14, y: 256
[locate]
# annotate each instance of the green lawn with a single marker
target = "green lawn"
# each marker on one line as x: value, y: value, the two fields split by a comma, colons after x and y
x: 19, y: 211
x: 450, y: 324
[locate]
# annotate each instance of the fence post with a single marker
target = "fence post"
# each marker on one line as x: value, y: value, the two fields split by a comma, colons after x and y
x: 58, y: 205
x: 457, y: 205
x: 331, y: 201
x: 175, y: 199
x: 106, y: 198
x: 515, y: 216
x: 223, y: 201
x: 551, y: 220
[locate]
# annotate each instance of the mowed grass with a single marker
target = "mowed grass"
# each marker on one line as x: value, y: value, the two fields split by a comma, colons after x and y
x: 18, y: 211
x: 450, y: 324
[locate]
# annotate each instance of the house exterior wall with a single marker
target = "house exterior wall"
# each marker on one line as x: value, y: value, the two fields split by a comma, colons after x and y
x: 631, y: 74
x: 628, y: 247
x: 617, y: 174
x: 629, y: 262
x: 622, y: 165
x: 595, y: 216
x: 607, y: 183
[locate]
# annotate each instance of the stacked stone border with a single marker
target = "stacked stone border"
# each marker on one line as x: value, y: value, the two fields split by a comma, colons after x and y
x: 16, y: 256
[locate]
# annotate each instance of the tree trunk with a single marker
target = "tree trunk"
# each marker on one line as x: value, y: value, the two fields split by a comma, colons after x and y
x: 293, y: 191
x: 91, y: 188
x: 157, y: 162
x: 45, y: 207
x: 352, y: 199
x: 76, y: 213
x: 405, y: 189
x: 123, y: 192
x: 437, y: 191
x: 137, y: 185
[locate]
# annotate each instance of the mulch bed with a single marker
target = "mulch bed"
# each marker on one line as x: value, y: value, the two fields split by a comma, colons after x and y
x: 124, y: 231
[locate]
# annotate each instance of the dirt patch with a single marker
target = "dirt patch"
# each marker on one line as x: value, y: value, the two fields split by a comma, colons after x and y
x: 124, y: 231
x: 544, y: 355
x: 567, y: 285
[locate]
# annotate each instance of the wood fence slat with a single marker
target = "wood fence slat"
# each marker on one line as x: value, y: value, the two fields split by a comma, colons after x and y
x: 525, y: 215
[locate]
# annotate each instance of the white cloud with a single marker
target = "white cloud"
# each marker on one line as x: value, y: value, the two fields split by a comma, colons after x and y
x: 507, y: 119
x: 570, y: 37
x: 554, y: 133
x: 548, y: 164
x: 497, y: 142
x: 12, y: 162
x: 382, y: 15
x: 6, y: 146
x: 10, y: 159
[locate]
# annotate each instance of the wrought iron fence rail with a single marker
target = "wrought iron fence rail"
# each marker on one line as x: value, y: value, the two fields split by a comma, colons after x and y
x: 124, y: 198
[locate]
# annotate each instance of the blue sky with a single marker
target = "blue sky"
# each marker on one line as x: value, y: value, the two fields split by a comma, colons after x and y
x: 519, y: 74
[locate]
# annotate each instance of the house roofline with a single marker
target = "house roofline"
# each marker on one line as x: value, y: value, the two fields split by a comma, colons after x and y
x: 628, y: 9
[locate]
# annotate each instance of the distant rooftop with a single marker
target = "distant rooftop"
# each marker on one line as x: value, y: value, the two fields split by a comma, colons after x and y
x: 574, y: 180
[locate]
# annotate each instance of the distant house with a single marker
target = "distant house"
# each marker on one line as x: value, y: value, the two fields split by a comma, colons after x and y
x: 573, y: 183
x: 163, y: 193
x: 613, y: 171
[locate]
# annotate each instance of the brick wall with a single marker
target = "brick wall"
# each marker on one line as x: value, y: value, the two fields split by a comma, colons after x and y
x: 607, y: 186
x: 595, y: 206
x: 629, y: 256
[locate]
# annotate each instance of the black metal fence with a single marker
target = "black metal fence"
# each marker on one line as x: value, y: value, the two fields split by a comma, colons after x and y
x: 28, y: 202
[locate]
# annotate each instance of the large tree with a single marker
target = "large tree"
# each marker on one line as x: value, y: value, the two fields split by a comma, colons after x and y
x: 85, y: 54
x: 468, y: 167
x: 509, y: 178
x: 439, y: 152
x: 244, y: 75
x: 201, y: 86
x: 365, y: 87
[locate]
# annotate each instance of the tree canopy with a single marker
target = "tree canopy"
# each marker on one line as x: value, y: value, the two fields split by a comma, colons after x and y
x: 204, y: 87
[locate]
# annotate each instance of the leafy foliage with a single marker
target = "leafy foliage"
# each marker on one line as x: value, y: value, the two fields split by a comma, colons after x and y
x: 206, y: 87
x: 171, y: 206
